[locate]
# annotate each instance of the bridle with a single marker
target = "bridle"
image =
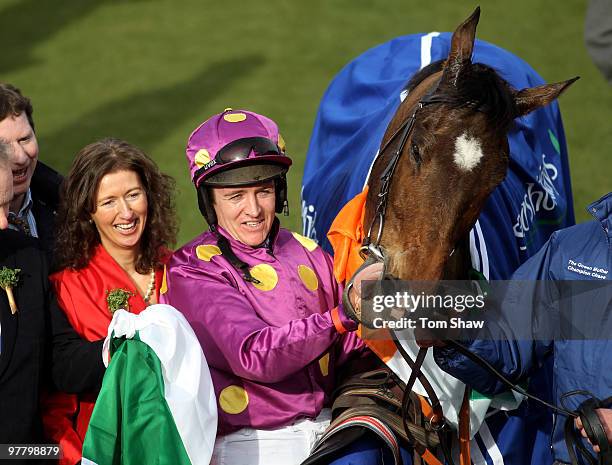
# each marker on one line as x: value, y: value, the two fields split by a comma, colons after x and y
x: 372, y: 247
x: 373, y: 252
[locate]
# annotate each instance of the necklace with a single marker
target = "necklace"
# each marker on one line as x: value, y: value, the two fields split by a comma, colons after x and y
x: 149, y: 292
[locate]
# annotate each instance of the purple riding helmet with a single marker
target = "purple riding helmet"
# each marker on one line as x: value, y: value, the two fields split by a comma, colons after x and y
x: 236, y: 148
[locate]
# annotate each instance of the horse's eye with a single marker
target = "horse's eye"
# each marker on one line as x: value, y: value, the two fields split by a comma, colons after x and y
x: 414, y: 151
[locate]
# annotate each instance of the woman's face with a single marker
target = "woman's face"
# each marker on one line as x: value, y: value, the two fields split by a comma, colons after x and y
x: 246, y: 213
x: 120, y: 211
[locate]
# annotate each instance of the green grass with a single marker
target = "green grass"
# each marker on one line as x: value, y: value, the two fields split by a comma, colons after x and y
x: 149, y: 71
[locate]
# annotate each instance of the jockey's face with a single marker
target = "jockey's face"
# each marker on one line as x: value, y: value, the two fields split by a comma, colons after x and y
x: 246, y: 213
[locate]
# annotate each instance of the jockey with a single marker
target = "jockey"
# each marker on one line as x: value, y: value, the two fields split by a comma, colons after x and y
x: 262, y: 300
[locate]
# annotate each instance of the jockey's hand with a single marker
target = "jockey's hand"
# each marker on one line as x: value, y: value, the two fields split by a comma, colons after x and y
x: 605, y: 416
x: 369, y: 273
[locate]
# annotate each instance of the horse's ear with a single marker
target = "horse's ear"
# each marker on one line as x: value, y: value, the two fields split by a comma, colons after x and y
x: 531, y: 98
x: 462, y: 45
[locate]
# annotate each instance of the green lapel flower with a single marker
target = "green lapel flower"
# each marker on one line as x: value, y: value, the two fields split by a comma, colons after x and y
x: 118, y: 298
x: 9, y: 278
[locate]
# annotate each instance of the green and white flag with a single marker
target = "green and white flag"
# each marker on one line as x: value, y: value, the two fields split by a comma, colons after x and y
x: 157, y: 403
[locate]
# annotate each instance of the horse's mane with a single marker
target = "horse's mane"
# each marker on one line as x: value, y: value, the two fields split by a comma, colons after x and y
x: 423, y: 74
x: 479, y: 88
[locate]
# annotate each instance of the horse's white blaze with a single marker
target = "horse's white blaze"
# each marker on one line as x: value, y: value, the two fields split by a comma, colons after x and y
x: 467, y: 152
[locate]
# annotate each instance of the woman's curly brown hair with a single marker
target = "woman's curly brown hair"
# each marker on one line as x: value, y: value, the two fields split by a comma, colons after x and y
x: 77, y: 235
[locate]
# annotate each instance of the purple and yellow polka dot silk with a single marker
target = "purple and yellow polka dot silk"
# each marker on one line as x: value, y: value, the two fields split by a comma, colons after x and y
x: 272, y: 346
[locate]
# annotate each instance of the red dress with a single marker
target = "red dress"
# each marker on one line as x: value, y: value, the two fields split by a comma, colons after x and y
x: 82, y: 296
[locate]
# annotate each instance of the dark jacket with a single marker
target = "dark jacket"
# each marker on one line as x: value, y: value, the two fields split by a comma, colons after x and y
x: 45, y: 187
x: 37, y: 344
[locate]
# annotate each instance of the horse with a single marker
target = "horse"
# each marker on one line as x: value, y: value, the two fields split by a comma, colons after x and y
x: 443, y: 153
x: 534, y: 199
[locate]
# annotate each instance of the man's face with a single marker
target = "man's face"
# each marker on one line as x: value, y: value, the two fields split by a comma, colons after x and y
x: 6, y: 192
x: 16, y: 132
x: 247, y: 213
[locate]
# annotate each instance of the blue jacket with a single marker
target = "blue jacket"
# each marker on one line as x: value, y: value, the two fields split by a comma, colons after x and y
x: 580, y: 252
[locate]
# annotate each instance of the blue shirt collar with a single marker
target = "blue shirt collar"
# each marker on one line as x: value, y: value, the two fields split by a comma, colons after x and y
x: 26, y: 206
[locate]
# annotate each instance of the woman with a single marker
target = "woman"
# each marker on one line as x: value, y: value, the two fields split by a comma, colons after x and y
x: 116, y: 223
x: 262, y: 301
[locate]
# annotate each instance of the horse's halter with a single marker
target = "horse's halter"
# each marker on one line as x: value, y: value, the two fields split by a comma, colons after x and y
x: 371, y: 251
x: 373, y: 248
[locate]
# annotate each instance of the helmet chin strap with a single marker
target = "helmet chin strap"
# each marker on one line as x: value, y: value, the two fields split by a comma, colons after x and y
x: 226, y: 250
x: 228, y: 253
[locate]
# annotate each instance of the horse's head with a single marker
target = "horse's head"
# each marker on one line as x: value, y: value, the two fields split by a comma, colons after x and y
x: 443, y: 153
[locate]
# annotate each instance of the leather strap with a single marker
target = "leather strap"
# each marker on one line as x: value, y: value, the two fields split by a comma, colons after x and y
x: 594, y: 430
x: 464, y: 429
x: 380, y: 378
x: 437, y: 420
x: 377, y: 393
